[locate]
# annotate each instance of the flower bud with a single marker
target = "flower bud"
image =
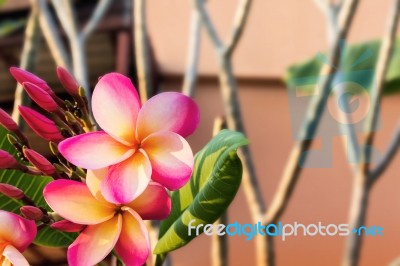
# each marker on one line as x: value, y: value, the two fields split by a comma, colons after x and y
x: 40, y: 162
x: 11, y: 191
x: 40, y: 124
x: 32, y: 212
x: 68, y: 81
x: 67, y: 226
x: 7, y: 122
x: 22, y: 76
x: 7, y: 160
x: 41, y: 97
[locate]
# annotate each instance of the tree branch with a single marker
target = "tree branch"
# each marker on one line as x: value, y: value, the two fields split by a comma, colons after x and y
x: 50, y: 32
x: 234, y: 119
x: 388, y: 157
x: 142, y: 54
x: 190, y: 79
x: 239, y: 22
x: 27, y: 61
x: 94, y: 20
x: 208, y: 25
x: 314, y: 114
x: 363, y: 181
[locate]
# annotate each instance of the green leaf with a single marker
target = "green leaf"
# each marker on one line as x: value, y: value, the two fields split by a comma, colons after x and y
x: 33, y: 187
x: 358, y: 65
x: 7, y: 27
x: 215, y: 181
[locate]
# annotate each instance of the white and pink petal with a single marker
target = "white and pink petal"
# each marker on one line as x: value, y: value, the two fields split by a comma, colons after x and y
x: 14, y: 256
x: 116, y: 106
x: 153, y: 204
x: 95, y: 243
x: 94, y: 150
x: 16, y: 230
x: 169, y: 111
x: 73, y: 201
x: 127, y: 180
x: 171, y: 159
x: 133, y: 245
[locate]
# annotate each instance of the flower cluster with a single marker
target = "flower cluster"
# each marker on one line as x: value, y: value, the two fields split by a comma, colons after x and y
x: 112, y: 170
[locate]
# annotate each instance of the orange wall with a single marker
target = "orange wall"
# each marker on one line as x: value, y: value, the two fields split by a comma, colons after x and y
x: 279, y: 33
x: 322, y: 194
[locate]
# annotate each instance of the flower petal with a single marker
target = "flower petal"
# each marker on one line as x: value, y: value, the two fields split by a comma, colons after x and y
x: 18, y: 231
x: 73, y: 201
x: 94, y: 150
x: 169, y: 111
x: 95, y: 243
x: 93, y: 181
x: 127, y: 180
x: 171, y: 159
x: 153, y: 204
x: 14, y: 256
x: 133, y: 245
x: 116, y: 106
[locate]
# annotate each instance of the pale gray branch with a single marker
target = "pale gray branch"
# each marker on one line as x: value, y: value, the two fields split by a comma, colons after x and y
x: 389, y: 155
x: 142, y: 53
x: 234, y: 119
x: 239, y: 22
x: 208, y: 25
x: 94, y: 20
x: 363, y: 181
x: 52, y: 36
x: 27, y: 61
x: 189, y: 83
x: 314, y: 114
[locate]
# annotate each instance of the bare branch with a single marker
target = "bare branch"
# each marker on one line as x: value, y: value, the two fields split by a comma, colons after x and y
x: 28, y: 56
x: 388, y: 157
x: 314, y: 114
x: 94, y: 20
x: 66, y: 17
x: 234, y: 118
x: 189, y: 82
x: 382, y: 65
x: 219, y: 245
x: 208, y: 25
x: 50, y: 32
x: 363, y: 181
x: 142, y: 54
x: 238, y: 25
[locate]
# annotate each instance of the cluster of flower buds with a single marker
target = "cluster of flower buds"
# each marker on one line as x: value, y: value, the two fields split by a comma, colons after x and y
x: 60, y: 119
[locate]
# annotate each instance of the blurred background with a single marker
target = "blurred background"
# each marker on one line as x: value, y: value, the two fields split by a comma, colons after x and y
x: 278, y: 34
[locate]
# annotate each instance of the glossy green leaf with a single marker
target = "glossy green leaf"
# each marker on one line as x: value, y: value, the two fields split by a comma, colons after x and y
x: 358, y: 65
x: 33, y: 188
x: 215, y: 181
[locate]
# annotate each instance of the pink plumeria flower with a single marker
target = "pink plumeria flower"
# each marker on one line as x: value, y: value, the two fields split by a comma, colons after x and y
x: 108, y: 225
x: 138, y: 143
x: 16, y: 234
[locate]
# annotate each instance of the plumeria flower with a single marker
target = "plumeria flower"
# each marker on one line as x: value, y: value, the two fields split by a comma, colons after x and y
x: 108, y: 225
x: 138, y: 143
x: 16, y: 234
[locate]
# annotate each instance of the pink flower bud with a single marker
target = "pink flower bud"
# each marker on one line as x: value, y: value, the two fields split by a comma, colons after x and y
x: 68, y: 81
x: 41, y: 97
x: 7, y: 160
x: 32, y: 212
x: 40, y: 162
x: 22, y: 76
x: 7, y: 122
x: 40, y: 124
x: 11, y: 191
x: 67, y: 226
